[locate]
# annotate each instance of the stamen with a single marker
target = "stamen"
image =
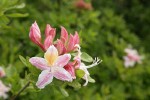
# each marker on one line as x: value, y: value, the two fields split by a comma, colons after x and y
x: 95, y: 62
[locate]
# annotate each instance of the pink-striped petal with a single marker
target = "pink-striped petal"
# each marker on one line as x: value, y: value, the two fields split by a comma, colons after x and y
x: 50, y: 31
x: 64, y: 34
x: 63, y: 60
x: 70, y: 68
x: 60, y: 47
x: 48, y: 41
x: 35, y: 34
x: 61, y: 74
x: 70, y: 45
x: 39, y: 63
x: 44, y: 79
x: 76, y: 38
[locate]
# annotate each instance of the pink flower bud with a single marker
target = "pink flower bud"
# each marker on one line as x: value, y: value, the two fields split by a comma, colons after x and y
x: 35, y: 34
x: 70, y: 45
x: 50, y: 31
x: 48, y: 41
x: 64, y: 35
x: 70, y: 68
x: 60, y: 47
x: 2, y: 72
x: 76, y: 38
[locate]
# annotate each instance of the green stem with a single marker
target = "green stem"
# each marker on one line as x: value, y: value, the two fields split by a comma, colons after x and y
x: 15, y: 96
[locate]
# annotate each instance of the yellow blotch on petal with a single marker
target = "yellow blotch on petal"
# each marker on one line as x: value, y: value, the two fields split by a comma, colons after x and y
x: 51, y: 55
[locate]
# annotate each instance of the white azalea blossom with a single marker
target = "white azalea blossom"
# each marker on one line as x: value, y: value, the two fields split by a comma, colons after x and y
x: 132, y: 57
x: 3, y: 90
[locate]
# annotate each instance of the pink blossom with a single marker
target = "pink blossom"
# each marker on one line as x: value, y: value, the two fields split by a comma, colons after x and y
x: 81, y: 4
x: 132, y: 57
x: 65, y: 44
x: 49, y: 31
x: 3, y: 90
x: 49, y: 36
x: 68, y: 42
x: 2, y: 72
x: 35, y: 35
x: 51, y: 65
x: 70, y: 68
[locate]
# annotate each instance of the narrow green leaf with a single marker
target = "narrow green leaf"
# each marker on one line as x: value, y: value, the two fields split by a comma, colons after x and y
x: 16, y: 7
x: 85, y: 57
x: 23, y: 60
x: 64, y: 92
x: 17, y: 15
x: 75, y: 84
x: 80, y: 73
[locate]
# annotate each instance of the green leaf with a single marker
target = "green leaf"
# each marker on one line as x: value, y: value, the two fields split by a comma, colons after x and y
x: 23, y: 60
x: 16, y: 7
x: 64, y: 92
x: 91, y: 79
x: 17, y: 15
x: 3, y: 20
x: 75, y: 84
x: 85, y: 57
x: 11, y: 71
x: 80, y: 73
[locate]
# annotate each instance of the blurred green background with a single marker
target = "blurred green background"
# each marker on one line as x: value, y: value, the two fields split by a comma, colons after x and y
x: 105, y: 31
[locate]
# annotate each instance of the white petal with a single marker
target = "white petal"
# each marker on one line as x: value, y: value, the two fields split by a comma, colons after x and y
x: 128, y: 62
x: 44, y: 79
x: 63, y: 60
x: 61, y: 74
x: 39, y: 63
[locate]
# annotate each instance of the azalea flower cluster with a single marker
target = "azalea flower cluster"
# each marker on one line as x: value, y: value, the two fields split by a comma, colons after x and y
x: 3, y: 89
x: 58, y: 62
x: 132, y: 57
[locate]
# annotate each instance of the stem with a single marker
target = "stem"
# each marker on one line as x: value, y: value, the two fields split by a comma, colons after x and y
x: 15, y: 96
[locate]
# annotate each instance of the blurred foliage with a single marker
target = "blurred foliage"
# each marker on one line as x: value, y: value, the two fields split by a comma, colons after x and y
x: 136, y: 14
x: 7, y: 11
x: 105, y: 31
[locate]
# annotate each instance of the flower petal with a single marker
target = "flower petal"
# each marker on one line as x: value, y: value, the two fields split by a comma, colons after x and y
x: 44, y: 79
x: 60, y: 47
x: 76, y: 38
x: 64, y: 34
x: 85, y: 77
x: 39, y: 63
x: 70, y: 45
x: 48, y: 41
x: 128, y: 62
x: 49, y: 31
x: 35, y: 34
x: 61, y: 74
x: 51, y: 55
x: 63, y: 60
x: 70, y: 68
x: 2, y: 72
